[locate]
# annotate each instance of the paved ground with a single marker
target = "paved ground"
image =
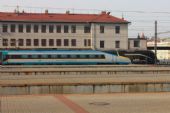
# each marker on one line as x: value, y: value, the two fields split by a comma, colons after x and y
x: 103, y: 103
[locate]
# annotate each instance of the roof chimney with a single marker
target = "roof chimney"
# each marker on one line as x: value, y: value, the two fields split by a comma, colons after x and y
x: 103, y: 12
x: 138, y: 36
x: 108, y: 13
x: 67, y: 12
x: 143, y: 36
x: 46, y: 11
x: 23, y: 11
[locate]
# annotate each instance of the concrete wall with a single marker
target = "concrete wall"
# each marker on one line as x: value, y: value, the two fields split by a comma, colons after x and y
x: 85, y: 89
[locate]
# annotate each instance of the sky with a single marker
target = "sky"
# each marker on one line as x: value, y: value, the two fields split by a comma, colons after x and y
x: 141, y: 13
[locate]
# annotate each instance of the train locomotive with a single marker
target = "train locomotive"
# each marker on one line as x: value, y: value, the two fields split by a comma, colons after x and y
x: 59, y: 57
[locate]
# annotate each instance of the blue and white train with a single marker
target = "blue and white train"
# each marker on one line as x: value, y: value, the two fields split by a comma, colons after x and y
x: 59, y: 57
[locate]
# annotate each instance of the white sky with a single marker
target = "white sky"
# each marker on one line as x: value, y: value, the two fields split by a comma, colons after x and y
x: 141, y: 21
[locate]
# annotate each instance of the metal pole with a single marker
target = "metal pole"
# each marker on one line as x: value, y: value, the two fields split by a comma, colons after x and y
x: 155, y: 47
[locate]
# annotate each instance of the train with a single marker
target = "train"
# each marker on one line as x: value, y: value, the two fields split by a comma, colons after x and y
x: 59, y: 57
x: 136, y: 56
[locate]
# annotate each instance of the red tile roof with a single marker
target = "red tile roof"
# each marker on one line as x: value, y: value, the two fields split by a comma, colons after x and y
x: 53, y: 17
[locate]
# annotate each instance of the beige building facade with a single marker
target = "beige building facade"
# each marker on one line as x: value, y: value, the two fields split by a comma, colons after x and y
x: 163, y: 50
x: 137, y: 44
x: 62, y: 31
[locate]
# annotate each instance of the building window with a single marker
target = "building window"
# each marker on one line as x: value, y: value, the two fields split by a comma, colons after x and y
x: 73, y: 42
x: 43, y: 28
x: 20, y: 42
x: 136, y: 43
x: 43, y: 42
x: 73, y: 29
x: 101, y: 29
x: 5, y: 42
x: 51, y: 28
x: 35, y: 28
x: 87, y: 29
x: 36, y: 42
x: 58, y: 42
x: 51, y: 42
x: 102, y: 44
x: 20, y: 28
x: 28, y: 42
x: 117, y: 29
x: 4, y: 28
x: 28, y: 28
x: 65, y: 28
x: 12, y: 28
x: 13, y: 42
x: 66, y: 42
x: 117, y: 44
x: 87, y: 42
x: 58, y: 28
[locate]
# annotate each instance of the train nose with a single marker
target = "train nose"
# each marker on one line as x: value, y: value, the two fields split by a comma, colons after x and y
x: 123, y: 60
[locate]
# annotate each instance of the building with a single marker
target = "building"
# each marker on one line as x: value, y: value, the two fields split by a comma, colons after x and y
x: 163, y: 49
x: 21, y: 30
x: 139, y: 43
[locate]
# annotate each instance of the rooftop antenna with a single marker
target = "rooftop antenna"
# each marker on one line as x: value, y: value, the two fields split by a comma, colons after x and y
x: 17, y: 9
x: 122, y: 16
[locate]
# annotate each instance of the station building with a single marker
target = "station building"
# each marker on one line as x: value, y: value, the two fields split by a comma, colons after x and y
x: 21, y: 30
x: 163, y: 49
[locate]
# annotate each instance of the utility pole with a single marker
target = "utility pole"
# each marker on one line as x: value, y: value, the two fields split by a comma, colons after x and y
x: 155, y: 47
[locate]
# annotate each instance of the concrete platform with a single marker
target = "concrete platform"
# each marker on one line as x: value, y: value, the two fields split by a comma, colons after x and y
x: 98, y: 103
x: 83, y: 84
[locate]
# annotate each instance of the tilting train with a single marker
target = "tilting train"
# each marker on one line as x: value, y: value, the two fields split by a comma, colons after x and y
x: 136, y: 56
x: 59, y: 57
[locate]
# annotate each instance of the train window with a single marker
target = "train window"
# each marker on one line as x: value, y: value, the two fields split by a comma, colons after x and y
x: 39, y: 56
x: 68, y: 56
x: 77, y: 56
x: 24, y: 56
x: 102, y: 56
x: 87, y: 56
x: 34, y: 56
x: 29, y: 56
x: 63, y: 56
x: 8, y: 57
x: 53, y: 56
x: 15, y: 56
x: 82, y: 56
x: 44, y: 56
x: 97, y: 56
x: 58, y: 56
x: 49, y: 56
x: 92, y: 56
x: 73, y: 56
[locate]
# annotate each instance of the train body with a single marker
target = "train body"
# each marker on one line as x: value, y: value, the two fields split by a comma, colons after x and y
x: 59, y: 57
x: 136, y: 56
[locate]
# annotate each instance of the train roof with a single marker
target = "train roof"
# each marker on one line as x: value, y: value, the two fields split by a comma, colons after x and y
x: 52, y: 51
